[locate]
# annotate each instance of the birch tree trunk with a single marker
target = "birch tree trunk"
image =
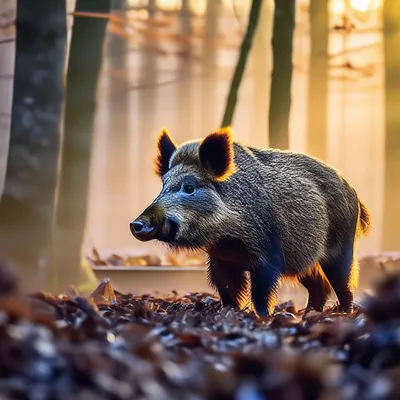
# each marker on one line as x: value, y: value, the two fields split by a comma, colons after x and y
x: 27, y: 204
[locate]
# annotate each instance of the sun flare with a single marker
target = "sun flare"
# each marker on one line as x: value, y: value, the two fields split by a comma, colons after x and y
x: 364, y: 5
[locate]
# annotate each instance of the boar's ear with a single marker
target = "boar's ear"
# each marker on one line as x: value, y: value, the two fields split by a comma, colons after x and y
x: 165, y: 148
x: 216, y: 154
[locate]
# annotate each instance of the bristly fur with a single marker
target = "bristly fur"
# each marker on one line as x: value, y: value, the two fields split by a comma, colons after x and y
x: 261, y: 215
x: 216, y: 154
x: 165, y: 148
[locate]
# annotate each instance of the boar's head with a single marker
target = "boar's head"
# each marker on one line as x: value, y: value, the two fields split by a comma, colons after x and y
x: 190, y: 211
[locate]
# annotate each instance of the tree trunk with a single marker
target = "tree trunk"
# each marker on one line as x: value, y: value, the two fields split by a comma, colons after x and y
x: 209, y: 106
x: 185, y: 18
x: 318, y: 80
x: 185, y: 68
x: 85, y: 58
x: 27, y: 204
x: 391, y: 218
x: 280, y: 98
x: 241, y: 64
x: 7, y: 58
x: 261, y: 67
x: 118, y: 133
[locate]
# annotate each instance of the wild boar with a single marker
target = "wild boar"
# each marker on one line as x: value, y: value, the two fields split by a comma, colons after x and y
x: 261, y: 215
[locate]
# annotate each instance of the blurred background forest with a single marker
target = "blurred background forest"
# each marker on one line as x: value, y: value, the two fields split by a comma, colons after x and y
x: 86, y: 85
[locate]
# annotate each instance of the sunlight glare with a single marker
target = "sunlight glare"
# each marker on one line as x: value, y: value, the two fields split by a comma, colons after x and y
x: 338, y: 6
x: 136, y: 3
x: 198, y: 7
x: 364, y: 5
x: 169, y: 5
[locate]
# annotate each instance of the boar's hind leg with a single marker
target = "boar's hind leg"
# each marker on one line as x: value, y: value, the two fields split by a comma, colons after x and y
x: 338, y: 271
x: 231, y: 283
x: 264, y: 284
x: 318, y: 288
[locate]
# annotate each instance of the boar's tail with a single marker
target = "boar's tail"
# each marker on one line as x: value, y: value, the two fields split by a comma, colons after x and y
x: 364, y: 218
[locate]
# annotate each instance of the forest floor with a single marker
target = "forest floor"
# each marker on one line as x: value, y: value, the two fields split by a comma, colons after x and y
x: 120, y: 346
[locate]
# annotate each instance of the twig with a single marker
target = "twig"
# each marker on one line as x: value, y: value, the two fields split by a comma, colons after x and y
x: 155, y: 84
x: 91, y: 14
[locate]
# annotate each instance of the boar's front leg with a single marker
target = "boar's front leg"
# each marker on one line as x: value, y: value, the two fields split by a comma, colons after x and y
x: 230, y: 282
x: 264, y: 284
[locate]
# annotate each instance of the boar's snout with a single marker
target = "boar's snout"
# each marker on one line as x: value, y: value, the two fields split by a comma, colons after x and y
x: 154, y: 224
x: 142, y: 231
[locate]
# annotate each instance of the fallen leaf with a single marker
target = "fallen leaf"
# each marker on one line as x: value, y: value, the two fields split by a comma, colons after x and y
x: 104, y: 293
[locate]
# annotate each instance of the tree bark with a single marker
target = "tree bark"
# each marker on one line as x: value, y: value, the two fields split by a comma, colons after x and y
x: 118, y: 134
x: 209, y: 106
x: 241, y: 64
x: 280, y: 97
x: 85, y: 60
x: 318, y: 80
x: 184, y: 69
x: 27, y: 204
x: 391, y: 215
x: 261, y: 67
x: 7, y: 58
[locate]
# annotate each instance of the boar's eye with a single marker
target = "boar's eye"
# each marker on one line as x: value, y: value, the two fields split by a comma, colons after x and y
x: 189, y: 189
